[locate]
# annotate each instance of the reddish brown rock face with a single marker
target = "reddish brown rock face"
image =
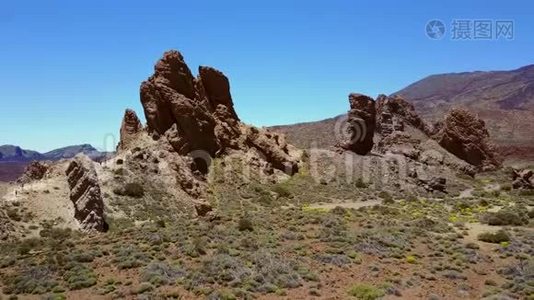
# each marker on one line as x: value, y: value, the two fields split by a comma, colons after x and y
x: 361, y: 124
x: 465, y: 135
x: 198, y: 114
x: 34, y: 171
x: 173, y: 97
x: 393, y: 112
x: 129, y: 128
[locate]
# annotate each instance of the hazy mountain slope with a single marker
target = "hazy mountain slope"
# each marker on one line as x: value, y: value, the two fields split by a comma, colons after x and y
x: 505, y: 99
x: 13, y: 159
x: 15, y: 154
x: 320, y: 134
x: 71, y: 151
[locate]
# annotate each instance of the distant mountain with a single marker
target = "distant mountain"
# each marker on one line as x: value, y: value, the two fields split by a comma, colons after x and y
x: 504, y: 99
x: 320, y: 134
x: 71, y: 151
x: 14, y: 159
x: 10, y: 153
x: 15, y: 154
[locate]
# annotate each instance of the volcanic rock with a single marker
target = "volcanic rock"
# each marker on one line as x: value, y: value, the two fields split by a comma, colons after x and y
x: 523, y: 179
x: 434, y: 184
x: 34, y: 171
x: 85, y: 194
x: 173, y: 97
x: 197, y: 114
x: 394, y: 112
x: 129, y: 128
x: 465, y: 135
x: 361, y: 122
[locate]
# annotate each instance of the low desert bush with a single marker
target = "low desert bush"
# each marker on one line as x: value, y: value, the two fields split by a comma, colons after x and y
x: 495, y: 238
x: 79, y: 276
x: 366, y: 292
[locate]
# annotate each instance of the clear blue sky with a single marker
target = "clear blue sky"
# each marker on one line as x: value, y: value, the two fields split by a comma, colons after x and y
x: 68, y: 70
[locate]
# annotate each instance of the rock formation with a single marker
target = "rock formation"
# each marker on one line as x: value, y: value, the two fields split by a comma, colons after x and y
x: 361, y: 121
x: 129, y: 128
x: 34, y: 171
x: 85, y: 194
x: 197, y: 114
x: 465, y: 135
x: 523, y: 179
x: 394, y: 112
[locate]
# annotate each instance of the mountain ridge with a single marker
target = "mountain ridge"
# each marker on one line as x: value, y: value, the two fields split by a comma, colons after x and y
x: 14, y: 153
x: 504, y: 99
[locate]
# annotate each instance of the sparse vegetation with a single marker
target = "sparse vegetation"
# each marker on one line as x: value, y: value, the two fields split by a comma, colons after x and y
x: 366, y: 292
x: 496, y: 238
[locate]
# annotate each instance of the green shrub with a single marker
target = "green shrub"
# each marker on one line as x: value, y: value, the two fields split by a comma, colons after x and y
x: 144, y: 287
x: 245, y: 223
x: 132, y: 189
x: 282, y: 191
x: 495, y: 238
x: 56, y: 233
x: 79, y: 277
x: 366, y: 292
x: 161, y: 273
x: 32, y: 280
x: 128, y: 257
x: 29, y: 244
x: 504, y: 217
x: 386, y: 197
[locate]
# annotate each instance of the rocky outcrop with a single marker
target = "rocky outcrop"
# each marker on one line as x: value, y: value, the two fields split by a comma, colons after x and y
x: 173, y: 98
x: 34, y: 171
x: 438, y: 184
x: 523, y: 179
x: 361, y: 122
x: 197, y: 114
x: 85, y: 194
x: 130, y: 126
x: 465, y: 135
x: 394, y: 112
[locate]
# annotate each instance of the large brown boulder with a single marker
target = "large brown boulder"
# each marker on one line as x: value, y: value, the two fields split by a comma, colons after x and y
x: 361, y: 122
x: 465, y: 135
x: 85, y: 194
x: 197, y: 114
x: 130, y: 126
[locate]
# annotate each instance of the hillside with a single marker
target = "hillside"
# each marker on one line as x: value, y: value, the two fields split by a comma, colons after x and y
x: 14, y: 153
x: 505, y: 99
x: 198, y: 205
x: 13, y: 159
